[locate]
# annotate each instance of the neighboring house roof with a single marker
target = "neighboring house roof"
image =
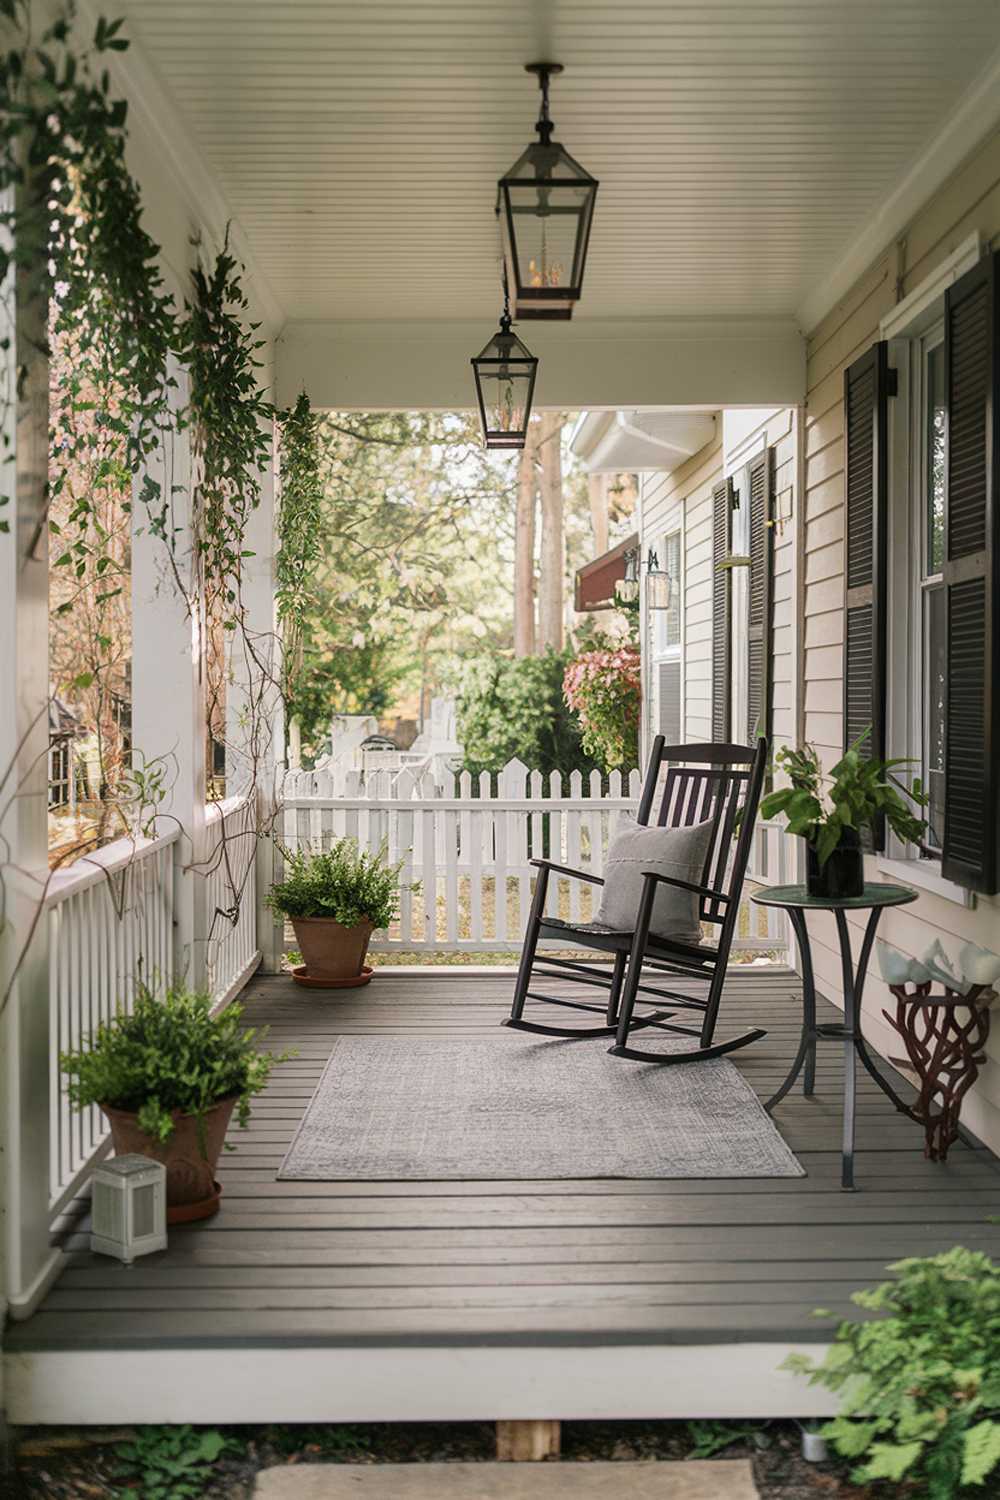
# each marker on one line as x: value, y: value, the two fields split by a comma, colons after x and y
x: 595, y: 581
x: 64, y: 724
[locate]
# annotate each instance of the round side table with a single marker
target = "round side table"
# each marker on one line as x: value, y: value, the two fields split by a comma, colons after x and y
x: 796, y: 900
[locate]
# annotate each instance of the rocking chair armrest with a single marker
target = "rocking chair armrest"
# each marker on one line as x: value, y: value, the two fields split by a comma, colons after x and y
x: 547, y: 864
x: 686, y: 885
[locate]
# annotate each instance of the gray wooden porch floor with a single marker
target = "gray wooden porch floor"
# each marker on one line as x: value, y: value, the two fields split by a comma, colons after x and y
x: 663, y: 1262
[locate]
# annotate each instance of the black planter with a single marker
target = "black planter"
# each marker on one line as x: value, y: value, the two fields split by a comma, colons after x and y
x: 844, y: 872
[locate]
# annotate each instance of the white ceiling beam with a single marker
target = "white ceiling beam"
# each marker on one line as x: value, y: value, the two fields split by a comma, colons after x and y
x: 698, y: 363
x: 974, y: 117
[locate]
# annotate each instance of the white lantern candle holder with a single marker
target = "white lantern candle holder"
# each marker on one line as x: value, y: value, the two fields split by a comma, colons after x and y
x: 129, y: 1207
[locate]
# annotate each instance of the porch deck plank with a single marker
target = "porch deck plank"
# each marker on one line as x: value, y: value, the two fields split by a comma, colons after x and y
x: 530, y: 1262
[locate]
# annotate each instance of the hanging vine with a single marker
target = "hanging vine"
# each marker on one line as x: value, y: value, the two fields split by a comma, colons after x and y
x: 299, y: 534
x: 73, y: 246
x: 228, y: 415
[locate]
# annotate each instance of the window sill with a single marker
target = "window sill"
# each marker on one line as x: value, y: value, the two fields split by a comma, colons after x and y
x: 918, y: 873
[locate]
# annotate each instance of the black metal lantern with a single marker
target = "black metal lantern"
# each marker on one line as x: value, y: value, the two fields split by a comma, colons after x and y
x: 505, y: 384
x: 546, y: 203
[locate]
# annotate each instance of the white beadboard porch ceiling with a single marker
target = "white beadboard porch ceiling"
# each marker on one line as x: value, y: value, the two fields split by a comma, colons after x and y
x: 741, y: 145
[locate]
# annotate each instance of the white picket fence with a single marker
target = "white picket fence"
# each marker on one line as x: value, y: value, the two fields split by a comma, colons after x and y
x: 467, y: 845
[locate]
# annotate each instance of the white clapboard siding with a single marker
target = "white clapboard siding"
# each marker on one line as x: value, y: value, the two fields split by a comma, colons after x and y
x: 466, y: 849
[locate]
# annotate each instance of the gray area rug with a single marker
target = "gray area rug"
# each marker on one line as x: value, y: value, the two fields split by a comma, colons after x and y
x: 513, y: 1107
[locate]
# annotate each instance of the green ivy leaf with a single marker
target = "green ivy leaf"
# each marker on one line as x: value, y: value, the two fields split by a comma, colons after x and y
x: 981, y: 1451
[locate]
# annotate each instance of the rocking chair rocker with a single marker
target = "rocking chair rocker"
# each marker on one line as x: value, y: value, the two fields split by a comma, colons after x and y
x: 721, y: 783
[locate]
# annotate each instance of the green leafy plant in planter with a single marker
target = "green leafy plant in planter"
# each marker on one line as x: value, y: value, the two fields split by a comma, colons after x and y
x: 920, y: 1385
x: 830, y: 810
x: 168, y: 1075
x: 335, y: 899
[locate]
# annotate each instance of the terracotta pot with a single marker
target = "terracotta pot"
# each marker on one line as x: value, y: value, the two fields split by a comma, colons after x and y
x: 192, y: 1191
x: 329, y: 950
x: 844, y: 872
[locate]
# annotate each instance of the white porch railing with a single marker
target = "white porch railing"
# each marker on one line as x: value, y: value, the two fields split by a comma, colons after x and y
x: 232, y: 953
x: 469, y: 846
x: 110, y: 920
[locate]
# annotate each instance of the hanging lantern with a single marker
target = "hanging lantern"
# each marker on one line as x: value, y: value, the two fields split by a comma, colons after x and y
x: 546, y: 203
x: 627, y: 588
x: 657, y: 584
x: 505, y: 383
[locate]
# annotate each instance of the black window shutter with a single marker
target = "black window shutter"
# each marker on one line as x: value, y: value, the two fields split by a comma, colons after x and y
x: 722, y: 523
x: 868, y: 383
x: 972, y: 556
x: 760, y: 656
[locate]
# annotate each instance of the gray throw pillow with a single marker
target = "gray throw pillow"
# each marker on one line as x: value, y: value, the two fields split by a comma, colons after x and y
x: 679, y: 852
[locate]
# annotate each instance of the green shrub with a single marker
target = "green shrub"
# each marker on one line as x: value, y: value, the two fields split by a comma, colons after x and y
x: 920, y: 1386
x: 172, y: 1463
x: 170, y: 1054
x: 513, y: 707
x: 342, y: 883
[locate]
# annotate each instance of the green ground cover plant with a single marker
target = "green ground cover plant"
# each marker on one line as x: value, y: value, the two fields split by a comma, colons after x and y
x: 920, y: 1384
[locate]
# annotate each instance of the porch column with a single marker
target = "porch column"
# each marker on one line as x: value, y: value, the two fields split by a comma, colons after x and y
x: 253, y: 704
x: 168, y: 686
x: 27, y: 1262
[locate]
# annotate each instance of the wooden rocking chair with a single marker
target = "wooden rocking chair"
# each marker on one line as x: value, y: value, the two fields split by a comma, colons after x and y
x: 717, y: 782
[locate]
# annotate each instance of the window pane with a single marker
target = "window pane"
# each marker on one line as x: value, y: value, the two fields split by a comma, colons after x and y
x: 934, y: 680
x: 934, y: 459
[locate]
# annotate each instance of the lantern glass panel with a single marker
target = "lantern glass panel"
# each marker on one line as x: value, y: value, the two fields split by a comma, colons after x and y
x: 547, y: 207
x: 505, y: 379
x: 657, y: 589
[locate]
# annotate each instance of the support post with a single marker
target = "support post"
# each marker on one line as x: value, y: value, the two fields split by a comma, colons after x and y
x: 168, y: 684
x: 528, y: 1442
x: 28, y: 1260
x: 254, y: 708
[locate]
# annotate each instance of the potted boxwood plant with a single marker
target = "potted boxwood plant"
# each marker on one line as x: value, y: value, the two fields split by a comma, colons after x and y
x: 168, y: 1076
x: 335, y: 900
x: 830, y: 811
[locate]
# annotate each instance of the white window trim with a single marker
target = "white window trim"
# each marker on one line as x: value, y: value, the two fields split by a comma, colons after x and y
x: 907, y: 322
x: 657, y: 654
x: 922, y: 304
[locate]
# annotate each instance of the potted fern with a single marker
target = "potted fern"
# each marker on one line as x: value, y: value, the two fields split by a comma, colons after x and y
x: 335, y: 900
x: 168, y: 1076
x: 830, y: 811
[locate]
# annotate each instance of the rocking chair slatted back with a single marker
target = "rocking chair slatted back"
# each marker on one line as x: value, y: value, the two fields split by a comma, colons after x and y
x: 703, y: 782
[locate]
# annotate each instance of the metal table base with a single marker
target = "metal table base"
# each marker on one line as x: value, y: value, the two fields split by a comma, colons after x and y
x: 847, y: 1031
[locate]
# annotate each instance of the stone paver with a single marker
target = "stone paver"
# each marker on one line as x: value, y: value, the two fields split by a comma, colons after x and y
x: 721, y: 1480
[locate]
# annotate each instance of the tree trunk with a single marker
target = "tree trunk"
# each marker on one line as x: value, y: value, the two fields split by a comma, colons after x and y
x: 597, y: 486
x: 524, y: 548
x: 553, y: 562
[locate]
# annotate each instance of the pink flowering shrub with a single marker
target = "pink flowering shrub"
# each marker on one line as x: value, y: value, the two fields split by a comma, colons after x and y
x: 605, y: 689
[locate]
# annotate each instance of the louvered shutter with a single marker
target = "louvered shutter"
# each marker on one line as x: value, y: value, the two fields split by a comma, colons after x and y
x: 668, y: 701
x: 760, y: 659
x: 867, y: 386
x: 972, y: 556
x: 722, y: 522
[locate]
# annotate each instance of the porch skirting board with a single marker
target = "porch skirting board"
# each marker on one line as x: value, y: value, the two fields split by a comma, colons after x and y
x: 445, y: 1382
x: 511, y: 1107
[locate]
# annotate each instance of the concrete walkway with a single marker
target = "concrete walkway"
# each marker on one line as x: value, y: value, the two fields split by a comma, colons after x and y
x: 491, y: 1481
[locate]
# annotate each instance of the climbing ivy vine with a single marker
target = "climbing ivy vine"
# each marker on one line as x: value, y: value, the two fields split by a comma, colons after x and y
x: 300, y: 529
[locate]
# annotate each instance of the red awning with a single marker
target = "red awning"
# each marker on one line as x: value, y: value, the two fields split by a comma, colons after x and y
x: 595, y: 581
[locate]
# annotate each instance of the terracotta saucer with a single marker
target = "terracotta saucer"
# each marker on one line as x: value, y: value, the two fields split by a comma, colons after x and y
x: 312, y: 982
x: 191, y: 1213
